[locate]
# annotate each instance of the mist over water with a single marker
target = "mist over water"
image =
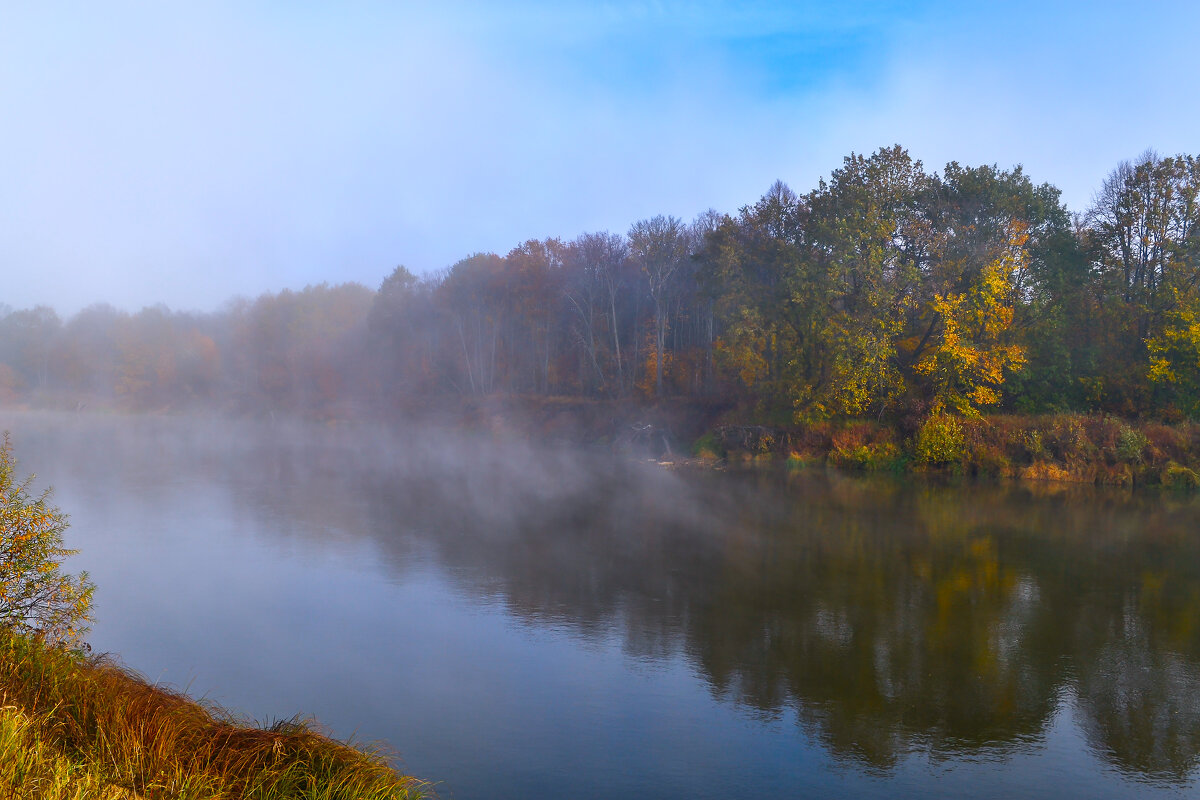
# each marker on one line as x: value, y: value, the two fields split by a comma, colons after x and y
x: 519, y: 620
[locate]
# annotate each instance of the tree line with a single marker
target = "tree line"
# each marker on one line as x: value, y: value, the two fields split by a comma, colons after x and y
x: 887, y: 290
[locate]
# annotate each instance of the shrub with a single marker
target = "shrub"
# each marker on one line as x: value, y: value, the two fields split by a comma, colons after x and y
x: 1033, y: 445
x: 869, y: 457
x: 1178, y: 476
x: 1068, y: 440
x: 1166, y: 443
x: 940, y: 440
x: 988, y: 459
x: 708, y: 446
x: 1130, y: 444
x: 34, y: 596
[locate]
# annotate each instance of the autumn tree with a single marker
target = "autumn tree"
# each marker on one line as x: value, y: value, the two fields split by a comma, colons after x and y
x: 606, y: 257
x: 972, y: 352
x: 766, y: 307
x: 470, y: 299
x: 985, y: 276
x: 35, y: 597
x: 869, y: 241
x: 27, y: 340
x: 1144, y: 236
x: 404, y: 334
x: 1146, y: 220
x: 88, y: 354
x: 660, y: 246
x: 301, y: 351
x: 532, y: 291
x: 594, y: 265
x: 1175, y: 357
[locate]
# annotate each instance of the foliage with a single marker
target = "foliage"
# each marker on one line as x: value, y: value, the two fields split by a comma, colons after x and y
x: 1130, y: 444
x: 708, y: 446
x: 870, y: 457
x: 660, y: 246
x: 1034, y: 444
x: 868, y: 232
x: 1175, y: 356
x: 968, y: 364
x: 940, y: 440
x: 34, y: 595
x: 1177, y: 476
x: 886, y: 292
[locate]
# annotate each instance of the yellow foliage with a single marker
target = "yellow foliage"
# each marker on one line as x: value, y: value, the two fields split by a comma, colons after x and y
x: 1175, y: 353
x: 34, y: 595
x: 864, y: 370
x: 646, y: 383
x: 742, y: 354
x: 968, y: 363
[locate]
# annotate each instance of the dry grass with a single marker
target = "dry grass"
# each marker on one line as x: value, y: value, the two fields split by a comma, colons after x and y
x: 30, y: 769
x: 1070, y: 448
x: 124, y: 733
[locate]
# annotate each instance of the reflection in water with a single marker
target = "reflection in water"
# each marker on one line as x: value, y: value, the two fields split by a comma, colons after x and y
x: 887, y: 617
x: 890, y: 617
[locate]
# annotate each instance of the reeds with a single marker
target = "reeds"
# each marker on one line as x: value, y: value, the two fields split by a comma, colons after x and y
x: 114, y: 735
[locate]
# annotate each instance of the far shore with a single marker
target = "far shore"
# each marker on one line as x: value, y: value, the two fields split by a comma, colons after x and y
x: 1079, y: 448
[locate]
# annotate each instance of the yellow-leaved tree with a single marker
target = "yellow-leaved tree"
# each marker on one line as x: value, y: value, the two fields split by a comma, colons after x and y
x: 1175, y: 354
x: 967, y: 364
x: 35, y: 596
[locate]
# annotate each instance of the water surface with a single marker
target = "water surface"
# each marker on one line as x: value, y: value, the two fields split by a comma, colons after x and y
x: 519, y: 621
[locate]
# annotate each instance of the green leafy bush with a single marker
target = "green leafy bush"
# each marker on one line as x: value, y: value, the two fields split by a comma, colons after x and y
x: 1130, y: 444
x: 940, y: 440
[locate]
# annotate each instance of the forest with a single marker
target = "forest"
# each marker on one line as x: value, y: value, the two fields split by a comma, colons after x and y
x: 888, y: 291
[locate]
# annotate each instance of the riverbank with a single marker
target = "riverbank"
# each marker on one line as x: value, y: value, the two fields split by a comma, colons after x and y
x: 84, y: 728
x: 1069, y: 447
x: 1074, y: 448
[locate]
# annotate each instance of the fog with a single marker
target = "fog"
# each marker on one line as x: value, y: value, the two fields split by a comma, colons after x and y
x: 534, y: 615
x: 187, y: 155
x: 438, y: 506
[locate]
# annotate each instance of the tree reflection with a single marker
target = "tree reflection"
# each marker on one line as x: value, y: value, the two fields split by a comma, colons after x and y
x: 890, y: 617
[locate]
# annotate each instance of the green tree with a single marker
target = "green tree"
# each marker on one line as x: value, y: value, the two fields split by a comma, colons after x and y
x: 870, y: 238
x: 35, y: 597
x: 753, y: 269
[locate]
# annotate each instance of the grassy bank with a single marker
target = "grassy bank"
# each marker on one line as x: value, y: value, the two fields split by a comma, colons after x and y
x: 1063, y: 447
x: 78, y: 727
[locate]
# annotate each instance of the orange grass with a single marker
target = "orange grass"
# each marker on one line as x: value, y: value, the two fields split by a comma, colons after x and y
x: 160, y: 743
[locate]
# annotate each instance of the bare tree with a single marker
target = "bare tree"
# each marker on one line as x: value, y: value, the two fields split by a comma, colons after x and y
x: 595, y: 262
x: 660, y: 247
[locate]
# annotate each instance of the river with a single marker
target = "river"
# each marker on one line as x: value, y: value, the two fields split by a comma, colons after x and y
x: 519, y: 621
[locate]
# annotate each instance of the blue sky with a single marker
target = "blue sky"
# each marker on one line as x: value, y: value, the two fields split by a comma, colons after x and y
x: 188, y: 152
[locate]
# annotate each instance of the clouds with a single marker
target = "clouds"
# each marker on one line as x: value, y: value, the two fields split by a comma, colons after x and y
x: 187, y: 153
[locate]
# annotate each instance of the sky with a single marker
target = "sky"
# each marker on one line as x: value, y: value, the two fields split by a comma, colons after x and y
x: 189, y: 152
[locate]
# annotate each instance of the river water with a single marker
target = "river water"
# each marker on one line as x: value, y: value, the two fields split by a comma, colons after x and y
x: 534, y: 622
